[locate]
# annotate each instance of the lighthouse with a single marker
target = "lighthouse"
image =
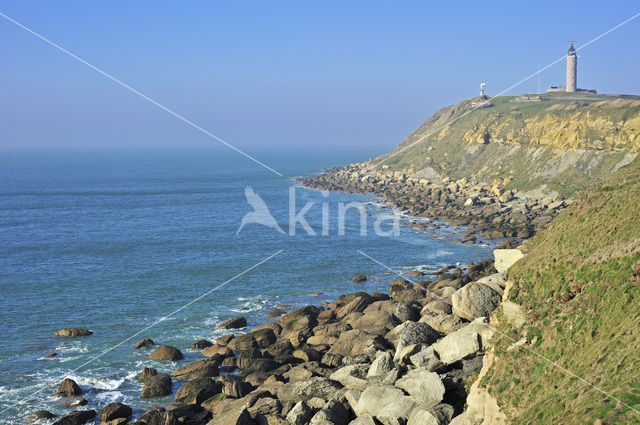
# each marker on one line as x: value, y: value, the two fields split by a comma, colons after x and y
x: 572, y: 69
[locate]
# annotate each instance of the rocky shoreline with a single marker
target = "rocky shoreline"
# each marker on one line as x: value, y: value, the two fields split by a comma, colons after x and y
x: 406, y: 358
x: 489, y: 209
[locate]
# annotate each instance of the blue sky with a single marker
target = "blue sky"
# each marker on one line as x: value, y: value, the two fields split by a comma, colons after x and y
x: 274, y: 75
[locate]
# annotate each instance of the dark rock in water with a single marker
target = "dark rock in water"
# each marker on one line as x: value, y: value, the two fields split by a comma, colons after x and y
x: 115, y: 411
x: 157, y: 386
x: 51, y: 355
x: 203, y: 343
x: 197, y: 391
x: 276, y: 313
x: 68, y: 387
x: 283, y: 306
x: 234, y: 323
x: 360, y: 278
x: 217, y: 350
x: 225, y: 339
x: 147, y: 373
x: 166, y: 352
x: 200, y: 369
x: 78, y: 417
x: 73, y: 401
x: 38, y: 416
x: 71, y: 332
x: 144, y: 344
x: 234, y: 386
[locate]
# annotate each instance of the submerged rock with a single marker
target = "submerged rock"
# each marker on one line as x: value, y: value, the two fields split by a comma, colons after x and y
x: 72, y: 332
x: 233, y: 323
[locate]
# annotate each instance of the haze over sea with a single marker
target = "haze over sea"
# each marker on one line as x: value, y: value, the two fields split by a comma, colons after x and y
x: 115, y: 241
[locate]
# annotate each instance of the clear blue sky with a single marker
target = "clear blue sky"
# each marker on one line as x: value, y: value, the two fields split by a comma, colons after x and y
x: 265, y: 75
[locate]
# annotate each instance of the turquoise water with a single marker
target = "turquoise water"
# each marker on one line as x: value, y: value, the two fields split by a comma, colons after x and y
x: 114, y: 242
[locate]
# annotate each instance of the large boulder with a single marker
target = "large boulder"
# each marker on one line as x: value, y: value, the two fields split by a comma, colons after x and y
x: 397, y: 411
x: 72, y: 332
x: 424, y: 386
x: 352, y: 377
x: 147, y: 373
x: 199, y: 369
x: 233, y: 417
x: 157, y: 386
x: 305, y: 390
x: 464, y: 342
x: 333, y: 413
x: 201, y: 344
x: 144, y: 344
x: 475, y: 300
x: 166, y: 352
x: 78, y: 417
x: 264, y: 337
x: 414, y: 333
x: 375, y: 397
x: 505, y: 258
x: 234, y: 386
x: 233, y: 323
x: 198, y: 390
x: 382, y: 365
x: 68, y: 388
x: 426, y: 358
x: 115, y: 411
x: 357, y: 341
x: 217, y: 350
x: 300, y: 414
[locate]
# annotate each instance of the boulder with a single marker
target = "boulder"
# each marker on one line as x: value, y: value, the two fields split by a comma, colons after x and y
x: 426, y: 358
x: 199, y: 369
x: 405, y: 312
x: 397, y: 411
x: 68, y: 387
x: 264, y: 337
x: 242, y: 342
x: 475, y: 300
x: 351, y: 377
x: 157, y: 386
x: 72, y: 332
x: 78, y: 417
x: 357, y: 341
x: 381, y: 365
x: 38, y: 416
x: 376, y: 396
x: 266, y: 406
x: 201, y: 344
x: 300, y: 414
x: 73, y: 401
x: 144, y: 344
x: 147, y: 373
x: 505, y: 258
x: 234, y: 386
x: 115, y: 411
x: 305, y: 390
x: 414, y: 333
x: 464, y: 342
x: 424, y: 386
x: 217, y: 350
x: 359, y: 279
x: 233, y: 417
x: 443, y: 323
x: 233, y: 323
x: 224, y: 339
x: 166, y: 352
x: 198, y: 390
x: 333, y: 413
x: 364, y: 420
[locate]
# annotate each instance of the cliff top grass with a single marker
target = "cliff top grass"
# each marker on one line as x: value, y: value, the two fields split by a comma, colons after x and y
x: 580, y: 288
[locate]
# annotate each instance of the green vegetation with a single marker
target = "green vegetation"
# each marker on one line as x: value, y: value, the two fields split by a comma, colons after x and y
x: 580, y: 287
x: 562, y: 142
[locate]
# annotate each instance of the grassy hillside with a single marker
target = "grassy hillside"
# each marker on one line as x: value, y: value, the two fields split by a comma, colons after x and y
x: 579, y: 286
x: 566, y: 142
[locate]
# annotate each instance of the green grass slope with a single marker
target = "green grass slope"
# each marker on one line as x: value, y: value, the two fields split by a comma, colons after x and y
x: 580, y: 288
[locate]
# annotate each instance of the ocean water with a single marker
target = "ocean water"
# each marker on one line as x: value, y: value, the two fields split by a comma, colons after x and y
x: 114, y: 242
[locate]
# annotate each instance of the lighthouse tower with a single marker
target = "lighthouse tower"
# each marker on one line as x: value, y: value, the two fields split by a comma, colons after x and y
x: 572, y: 69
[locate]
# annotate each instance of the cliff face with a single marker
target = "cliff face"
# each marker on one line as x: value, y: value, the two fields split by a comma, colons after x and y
x: 560, y: 144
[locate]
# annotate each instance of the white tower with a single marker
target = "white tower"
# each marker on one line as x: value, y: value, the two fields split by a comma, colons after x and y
x: 482, y: 85
x: 572, y: 69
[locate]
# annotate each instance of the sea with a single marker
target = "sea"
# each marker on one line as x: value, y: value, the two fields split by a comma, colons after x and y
x: 145, y: 244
